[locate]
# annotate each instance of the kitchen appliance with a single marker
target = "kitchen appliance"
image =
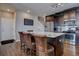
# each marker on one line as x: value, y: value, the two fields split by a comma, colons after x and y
x: 70, y: 35
x: 71, y: 38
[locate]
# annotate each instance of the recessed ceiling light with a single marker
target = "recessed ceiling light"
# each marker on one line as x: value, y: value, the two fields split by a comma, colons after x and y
x: 8, y: 9
x: 59, y: 4
x: 28, y: 11
x: 54, y: 6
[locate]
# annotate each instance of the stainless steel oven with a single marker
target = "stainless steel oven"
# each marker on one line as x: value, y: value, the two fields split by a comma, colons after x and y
x: 71, y: 37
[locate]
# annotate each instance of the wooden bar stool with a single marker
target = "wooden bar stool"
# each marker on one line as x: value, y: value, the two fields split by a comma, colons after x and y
x: 26, y: 43
x: 22, y: 41
x: 42, y: 47
x: 29, y: 45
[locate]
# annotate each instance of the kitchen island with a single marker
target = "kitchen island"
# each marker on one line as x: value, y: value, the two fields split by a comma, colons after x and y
x: 55, y: 39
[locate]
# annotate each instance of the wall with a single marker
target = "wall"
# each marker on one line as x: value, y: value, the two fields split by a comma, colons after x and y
x: 20, y: 23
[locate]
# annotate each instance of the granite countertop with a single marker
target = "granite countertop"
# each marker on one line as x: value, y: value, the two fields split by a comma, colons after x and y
x: 48, y: 34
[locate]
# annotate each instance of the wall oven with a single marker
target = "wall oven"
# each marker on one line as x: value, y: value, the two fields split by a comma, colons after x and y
x: 71, y: 38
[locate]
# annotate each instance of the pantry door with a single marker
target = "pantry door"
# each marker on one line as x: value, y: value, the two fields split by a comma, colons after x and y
x: 6, y: 28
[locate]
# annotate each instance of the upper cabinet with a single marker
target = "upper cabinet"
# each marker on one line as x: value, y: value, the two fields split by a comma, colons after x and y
x: 69, y: 15
x: 49, y: 18
x: 66, y: 15
x: 72, y: 14
x: 61, y: 20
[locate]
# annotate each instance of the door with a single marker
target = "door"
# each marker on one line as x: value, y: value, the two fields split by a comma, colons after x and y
x: 6, y: 28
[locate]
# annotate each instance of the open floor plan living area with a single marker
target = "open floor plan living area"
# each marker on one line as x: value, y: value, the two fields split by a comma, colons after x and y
x: 39, y: 29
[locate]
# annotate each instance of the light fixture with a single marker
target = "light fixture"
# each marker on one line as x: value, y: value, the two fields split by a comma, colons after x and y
x: 60, y: 4
x: 8, y: 9
x: 56, y: 5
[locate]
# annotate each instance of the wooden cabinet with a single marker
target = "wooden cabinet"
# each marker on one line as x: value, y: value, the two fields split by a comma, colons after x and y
x: 72, y: 14
x: 66, y: 16
x: 49, y: 18
x: 60, y: 45
x: 69, y: 15
x: 61, y: 20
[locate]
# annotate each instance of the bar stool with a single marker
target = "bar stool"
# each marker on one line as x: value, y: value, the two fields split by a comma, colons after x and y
x: 29, y: 45
x: 22, y: 41
x: 26, y: 43
x: 42, y: 47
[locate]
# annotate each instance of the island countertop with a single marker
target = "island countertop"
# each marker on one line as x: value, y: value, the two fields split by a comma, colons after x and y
x: 47, y: 34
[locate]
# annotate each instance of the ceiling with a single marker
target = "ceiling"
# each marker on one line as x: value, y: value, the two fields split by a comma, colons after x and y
x: 40, y: 9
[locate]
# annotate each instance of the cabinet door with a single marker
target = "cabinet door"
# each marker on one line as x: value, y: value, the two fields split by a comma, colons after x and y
x: 61, y: 20
x: 66, y: 16
x: 72, y: 14
x: 60, y: 47
x: 49, y: 18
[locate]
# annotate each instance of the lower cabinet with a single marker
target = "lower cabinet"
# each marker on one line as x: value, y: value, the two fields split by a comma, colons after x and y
x: 57, y: 44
